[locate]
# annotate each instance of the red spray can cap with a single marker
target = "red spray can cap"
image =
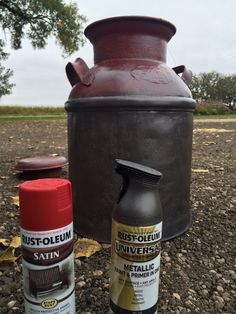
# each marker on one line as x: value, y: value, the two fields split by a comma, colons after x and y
x: 45, y: 204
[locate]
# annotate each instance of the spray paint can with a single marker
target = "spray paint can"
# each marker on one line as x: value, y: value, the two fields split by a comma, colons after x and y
x: 47, y: 246
x: 136, y: 235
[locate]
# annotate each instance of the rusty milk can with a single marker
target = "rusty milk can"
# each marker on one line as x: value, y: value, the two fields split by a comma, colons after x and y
x: 129, y: 105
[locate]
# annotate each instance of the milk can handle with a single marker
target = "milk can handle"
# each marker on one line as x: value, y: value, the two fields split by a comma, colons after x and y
x: 186, y: 73
x: 79, y: 72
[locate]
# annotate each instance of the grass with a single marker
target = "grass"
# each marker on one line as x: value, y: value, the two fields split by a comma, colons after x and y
x: 30, y: 110
x: 51, y: 113
x: 215, y: 116
x: 35, y: 117
x: 31, y: 113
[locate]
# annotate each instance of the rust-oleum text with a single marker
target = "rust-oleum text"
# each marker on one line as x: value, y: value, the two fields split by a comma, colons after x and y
x: 34, y: 241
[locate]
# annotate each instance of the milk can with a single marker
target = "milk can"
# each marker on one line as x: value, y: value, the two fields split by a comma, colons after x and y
x: 129, y: 105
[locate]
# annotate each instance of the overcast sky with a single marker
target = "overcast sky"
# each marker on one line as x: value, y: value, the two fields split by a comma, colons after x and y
x: 205, y: 41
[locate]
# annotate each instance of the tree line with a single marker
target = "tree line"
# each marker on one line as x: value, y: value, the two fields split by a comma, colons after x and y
x: 214, y: 86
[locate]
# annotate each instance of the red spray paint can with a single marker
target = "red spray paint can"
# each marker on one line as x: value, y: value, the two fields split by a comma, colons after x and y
x: 47, y: 246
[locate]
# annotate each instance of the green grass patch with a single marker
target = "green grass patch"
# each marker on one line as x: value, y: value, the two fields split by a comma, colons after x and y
x: 36, y: 117
x: 8, y: 113
x: 223, y: 116
x: 24, y: 111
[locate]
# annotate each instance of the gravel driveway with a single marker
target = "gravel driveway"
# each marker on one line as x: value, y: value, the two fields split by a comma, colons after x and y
x: 198, y: 268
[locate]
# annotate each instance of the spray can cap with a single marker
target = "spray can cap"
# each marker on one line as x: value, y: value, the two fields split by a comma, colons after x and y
x: 125, y: 167
x: 45, y: 204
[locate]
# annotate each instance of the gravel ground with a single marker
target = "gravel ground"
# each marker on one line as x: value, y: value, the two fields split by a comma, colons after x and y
x: 198, y: 268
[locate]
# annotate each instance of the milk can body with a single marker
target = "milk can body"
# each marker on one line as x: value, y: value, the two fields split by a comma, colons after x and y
x: 131, y: 105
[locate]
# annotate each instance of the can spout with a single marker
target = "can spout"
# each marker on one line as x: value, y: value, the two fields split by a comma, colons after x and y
x: 128, y: 168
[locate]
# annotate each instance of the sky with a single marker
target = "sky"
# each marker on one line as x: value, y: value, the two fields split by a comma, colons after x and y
x: 205, y: 41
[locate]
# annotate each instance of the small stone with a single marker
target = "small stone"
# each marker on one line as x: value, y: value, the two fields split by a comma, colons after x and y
x: 226, y: 281
x: 106, y: 285
x: 226, y: 296
x: 11, y: 303
x: 219, y: 299
x: 167, y: 259
x: 219, y: 302
x: 215, y: 293
x: 176, y: 296
x: 221, y: 260
x: 220, y: 289
x: 2, y: 228
x: 234, y: 288
x: 180, y: 308
x: 204, y: 292
x: 188, y: 303
x: 97, y: 273
x: 78, y: 262
x: 232, y: 274
x: 184, y: 275
x: 81, y: 284
x: 181, y: 258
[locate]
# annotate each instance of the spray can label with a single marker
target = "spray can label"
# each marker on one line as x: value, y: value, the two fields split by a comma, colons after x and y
x: 135, y: 267
x: 48, y: 269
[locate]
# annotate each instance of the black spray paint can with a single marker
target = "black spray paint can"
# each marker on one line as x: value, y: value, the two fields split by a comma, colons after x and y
x: 136, y: 235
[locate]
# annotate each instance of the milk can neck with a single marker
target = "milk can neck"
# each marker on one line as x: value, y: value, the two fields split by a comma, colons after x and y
x: 136, y: 37
x: 133, y: 46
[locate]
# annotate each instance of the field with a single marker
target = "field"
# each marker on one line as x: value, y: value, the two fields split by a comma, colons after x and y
x: 31, y: 113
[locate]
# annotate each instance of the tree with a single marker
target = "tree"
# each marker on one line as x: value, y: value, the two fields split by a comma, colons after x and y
x: 204, y: 85
x: 37, y: 21
x: 214, y: 86
x: 227, y: 90
x: 5, y: 74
